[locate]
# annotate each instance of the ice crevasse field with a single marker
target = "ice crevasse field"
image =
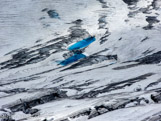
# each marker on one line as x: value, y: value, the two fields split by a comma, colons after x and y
x: 80, y: 60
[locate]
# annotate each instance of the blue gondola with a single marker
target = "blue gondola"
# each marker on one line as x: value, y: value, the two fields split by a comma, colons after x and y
x: 71, y: 59
x: 82, y: 44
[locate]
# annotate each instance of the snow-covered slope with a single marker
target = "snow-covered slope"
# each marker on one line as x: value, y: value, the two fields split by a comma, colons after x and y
x: 119, y: 80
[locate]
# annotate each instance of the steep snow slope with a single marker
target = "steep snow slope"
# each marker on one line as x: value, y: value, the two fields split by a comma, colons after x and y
x: 119, y: 80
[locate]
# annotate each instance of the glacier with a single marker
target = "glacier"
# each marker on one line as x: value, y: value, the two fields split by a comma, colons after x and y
x: 116, y: 78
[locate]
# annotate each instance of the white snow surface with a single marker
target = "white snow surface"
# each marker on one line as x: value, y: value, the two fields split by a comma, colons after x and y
x: 24, y: 25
